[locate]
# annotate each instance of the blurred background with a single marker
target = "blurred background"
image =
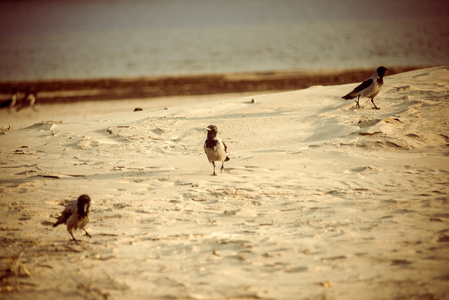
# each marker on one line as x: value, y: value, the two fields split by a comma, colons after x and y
x: 82, y: 39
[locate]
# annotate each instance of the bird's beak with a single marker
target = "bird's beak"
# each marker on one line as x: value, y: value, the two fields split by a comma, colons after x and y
x: 208, y: 129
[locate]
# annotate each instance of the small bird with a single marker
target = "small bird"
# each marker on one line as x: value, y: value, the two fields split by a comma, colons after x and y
x: 29, y: 100
x: 215, y: 148
x: 369, y: 88
x: 76, y: 215
x: 10, y: 103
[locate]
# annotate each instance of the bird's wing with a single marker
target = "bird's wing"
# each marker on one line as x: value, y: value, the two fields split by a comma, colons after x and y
x: 66, y: 213
x: 225, y: 147
x: 69, y: 209
x: 363, y: 85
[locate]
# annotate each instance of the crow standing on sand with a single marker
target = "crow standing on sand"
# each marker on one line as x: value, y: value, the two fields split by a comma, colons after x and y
x: 369, y: 88
x: 75, y: 215
x: 215, y: 148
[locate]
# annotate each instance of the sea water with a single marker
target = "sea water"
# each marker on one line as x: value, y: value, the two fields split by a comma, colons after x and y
x: 81, y: 39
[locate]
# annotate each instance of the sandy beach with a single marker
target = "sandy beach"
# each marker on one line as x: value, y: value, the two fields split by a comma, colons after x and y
x: 320, y: 200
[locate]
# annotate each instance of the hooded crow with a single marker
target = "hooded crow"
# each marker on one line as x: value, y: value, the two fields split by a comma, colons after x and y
x: 76, y: 215
x: 215, y: 148
x: 369, y: 88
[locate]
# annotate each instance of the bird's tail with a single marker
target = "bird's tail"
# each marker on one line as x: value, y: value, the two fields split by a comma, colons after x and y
x: 350, y: 96
x: 227, y: 158
x: 58, y: 222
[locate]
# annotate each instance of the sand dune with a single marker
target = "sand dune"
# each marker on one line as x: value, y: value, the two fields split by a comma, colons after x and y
x: 320, y: 200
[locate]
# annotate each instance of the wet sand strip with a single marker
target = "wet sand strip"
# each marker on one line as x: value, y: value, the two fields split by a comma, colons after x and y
x: 61, y: 91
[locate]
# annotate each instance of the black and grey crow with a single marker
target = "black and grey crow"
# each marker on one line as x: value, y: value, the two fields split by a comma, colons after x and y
x: 369, y: 88
x: 215, y: 148
x: 75, y: 215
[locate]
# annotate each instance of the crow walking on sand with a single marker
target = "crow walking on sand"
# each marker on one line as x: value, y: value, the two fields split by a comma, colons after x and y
x: 76, y: 215
x: 369, y: 88
x: 215, y: 148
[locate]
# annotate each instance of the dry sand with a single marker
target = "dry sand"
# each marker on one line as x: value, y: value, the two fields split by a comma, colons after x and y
x: 319, y: 200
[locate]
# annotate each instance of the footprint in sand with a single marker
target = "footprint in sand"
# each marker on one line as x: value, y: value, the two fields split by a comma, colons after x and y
x: 87, y: 143
x: 369, y: 169
x: 158, y: 131
x: 368, y: 123
x: 249, y: 169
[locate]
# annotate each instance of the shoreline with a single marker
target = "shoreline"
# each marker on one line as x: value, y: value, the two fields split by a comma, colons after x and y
x: 74, y: 90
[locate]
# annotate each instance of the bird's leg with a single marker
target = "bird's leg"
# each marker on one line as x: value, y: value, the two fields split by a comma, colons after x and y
x: 357, y: 102
x: 372, y: 101
x: 73, y: 237
x: 222, y: 167
x: 86, y: 233
x: 214, y: 174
